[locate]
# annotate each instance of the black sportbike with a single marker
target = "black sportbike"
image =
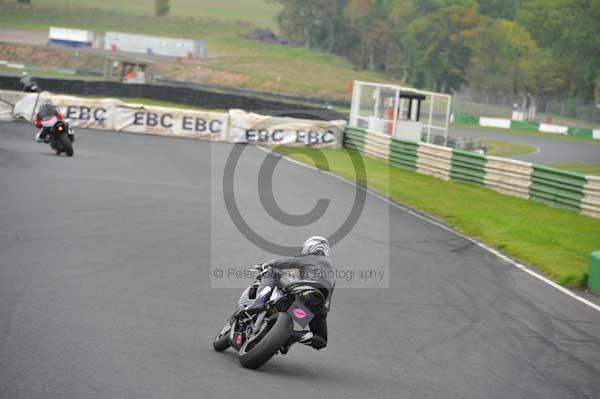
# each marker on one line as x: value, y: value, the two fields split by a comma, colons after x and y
x: 290, y: 309
x: 60, y: 136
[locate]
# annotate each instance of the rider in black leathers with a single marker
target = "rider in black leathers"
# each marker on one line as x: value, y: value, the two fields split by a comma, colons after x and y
x: 314, y: 264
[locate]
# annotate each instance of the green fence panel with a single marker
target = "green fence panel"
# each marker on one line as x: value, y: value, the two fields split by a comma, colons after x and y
x: 470, y: 120
x: 525, y: 125
x: 468, y: 166
x: 403, y: 154
x: 354, y: 138
x: 593, y: 282
x: 557, y: 187
x: 579, y: 132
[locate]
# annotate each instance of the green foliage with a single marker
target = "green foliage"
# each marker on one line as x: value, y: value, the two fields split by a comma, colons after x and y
x: 570, y: 31
x: 597, y: 91
x: 505, y: 9
x: 501, y: 53
x: 545, y: 47
x: 439, y: 40
x: 161, y: 8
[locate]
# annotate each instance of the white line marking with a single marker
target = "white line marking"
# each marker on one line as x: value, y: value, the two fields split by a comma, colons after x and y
x: 449, y: 229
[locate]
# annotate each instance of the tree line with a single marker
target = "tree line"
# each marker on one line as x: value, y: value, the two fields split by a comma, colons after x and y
x: 543, y: 47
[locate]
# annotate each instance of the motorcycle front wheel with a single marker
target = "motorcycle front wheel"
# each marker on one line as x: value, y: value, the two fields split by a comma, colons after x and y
x: 221, y: 341
x: 66, y: 144
x: 255, y: 353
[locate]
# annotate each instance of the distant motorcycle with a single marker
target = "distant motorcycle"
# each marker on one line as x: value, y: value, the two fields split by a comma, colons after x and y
x: 32, y: 88
x: 258, y: 337
x: 60, y: 136
x: 29, y: 84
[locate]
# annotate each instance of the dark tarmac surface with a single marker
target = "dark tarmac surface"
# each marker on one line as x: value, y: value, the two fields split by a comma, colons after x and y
x: 548, y: 151
x: 105, y: 287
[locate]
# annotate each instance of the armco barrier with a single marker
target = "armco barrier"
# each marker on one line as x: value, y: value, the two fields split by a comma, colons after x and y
x: 179, y: 95
x: 434, y: 160
x: 578, y: 132
x: 354, y: 139
x: 470, y: 120
x: 516, y: 178
x: 468, y: 166
x: 590, y: 203
x: 521, y: 125
x: 557, y: 187
x: 377, y: 146
x: 508, y: 176
x: 404, y: 154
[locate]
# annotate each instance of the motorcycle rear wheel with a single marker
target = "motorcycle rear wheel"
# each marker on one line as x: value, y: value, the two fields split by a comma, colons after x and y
x: 269, y: 345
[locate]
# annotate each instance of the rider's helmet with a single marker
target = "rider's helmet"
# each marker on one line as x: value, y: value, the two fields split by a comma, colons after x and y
x: 23, y: 73
x: 316, y: 245
x: 47, y: 109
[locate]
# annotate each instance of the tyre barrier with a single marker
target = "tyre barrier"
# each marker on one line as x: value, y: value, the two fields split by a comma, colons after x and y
x: 559, y: 188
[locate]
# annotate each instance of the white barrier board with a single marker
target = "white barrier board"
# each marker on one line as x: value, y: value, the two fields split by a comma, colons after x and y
x: 83, y: 112
x: 548, y: 128
x: 8, y: 100
x: 236, y: 126
x: 245, y: 127
x: 172, y: 122
x: 495, y: 122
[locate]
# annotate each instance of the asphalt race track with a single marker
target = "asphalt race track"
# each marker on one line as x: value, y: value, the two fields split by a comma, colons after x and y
x: 105, y: 287
x: 548, y: 151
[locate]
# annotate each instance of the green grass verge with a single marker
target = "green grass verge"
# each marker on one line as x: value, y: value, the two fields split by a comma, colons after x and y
x: 585, y: 168
x: 504, y: 148
x: 259, y: 12
x: 518, y: 132
x: 44, y: 73
x: 555, y: 241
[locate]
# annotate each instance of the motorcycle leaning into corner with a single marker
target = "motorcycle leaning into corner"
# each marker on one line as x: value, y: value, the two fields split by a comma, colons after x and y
x: 292, y: 305
x: 55, y: 130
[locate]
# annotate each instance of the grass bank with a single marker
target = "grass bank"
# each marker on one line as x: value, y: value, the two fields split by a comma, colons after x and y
x: 526, y: 133
x: 585, y: 168
x: 555, y: 241
x: 259, y: 12
x: 500, y: 148
x: 234, y: 60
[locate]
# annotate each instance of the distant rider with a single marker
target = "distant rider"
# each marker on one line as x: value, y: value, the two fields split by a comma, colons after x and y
x: 314, y: 263
x: 28, y: 84
x: 45, y: 119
